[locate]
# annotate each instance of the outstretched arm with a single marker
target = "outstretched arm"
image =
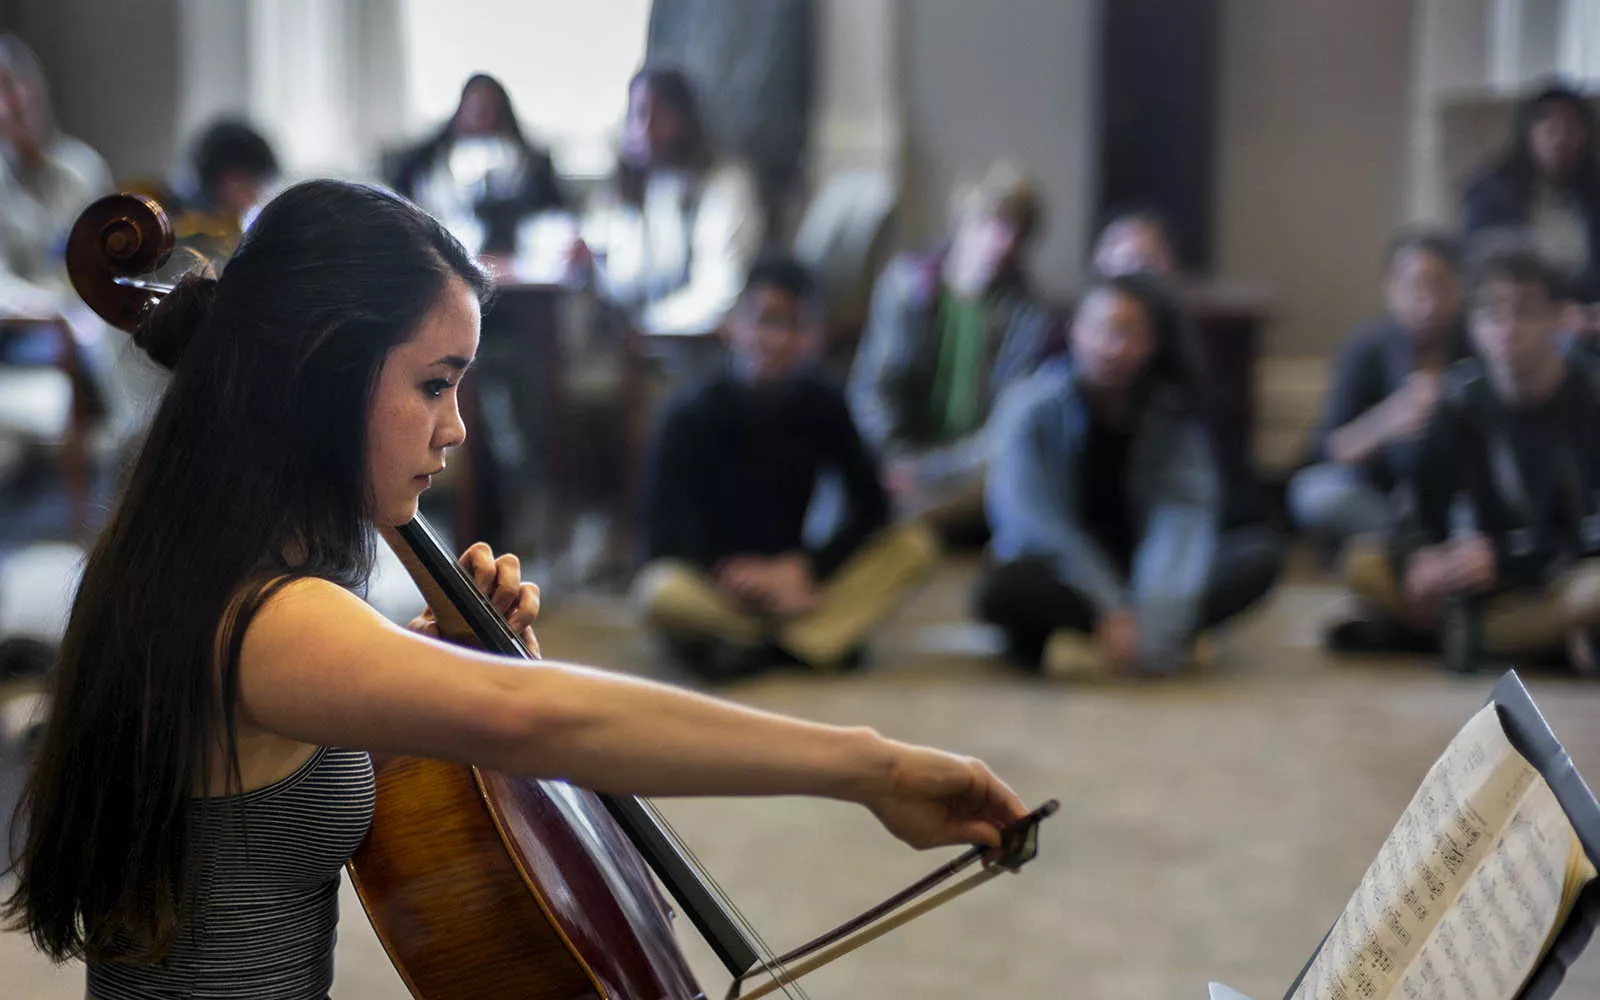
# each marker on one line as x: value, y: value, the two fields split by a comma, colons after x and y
x: 320, y: 666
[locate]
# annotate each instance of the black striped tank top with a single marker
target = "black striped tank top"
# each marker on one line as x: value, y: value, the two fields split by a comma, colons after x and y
x: 262, y: 918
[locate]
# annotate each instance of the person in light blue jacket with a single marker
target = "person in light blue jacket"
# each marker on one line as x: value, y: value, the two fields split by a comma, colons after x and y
x: 1105, y: 501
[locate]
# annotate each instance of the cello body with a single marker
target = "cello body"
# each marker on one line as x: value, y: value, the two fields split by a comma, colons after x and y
x: 481, y: 886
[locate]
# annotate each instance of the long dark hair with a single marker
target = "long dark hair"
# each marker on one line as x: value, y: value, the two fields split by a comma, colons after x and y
x: 253, y: 474
x: 671, y: 86
x: 1518, y: 166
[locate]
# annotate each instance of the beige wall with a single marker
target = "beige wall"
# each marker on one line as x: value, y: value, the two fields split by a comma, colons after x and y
x: 1313, y: 151
x: 1313, y: 154
x: 1008, y: 78
x: 857, y: 105
x: 1450, y: 47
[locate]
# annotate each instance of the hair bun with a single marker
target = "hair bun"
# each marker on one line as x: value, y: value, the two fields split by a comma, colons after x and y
x: 167, y: 329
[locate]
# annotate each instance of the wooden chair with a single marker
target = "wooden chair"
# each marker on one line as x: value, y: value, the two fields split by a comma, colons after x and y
x: 53, y: 406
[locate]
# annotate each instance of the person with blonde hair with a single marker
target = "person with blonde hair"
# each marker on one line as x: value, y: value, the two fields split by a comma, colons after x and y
x: 946, y: 333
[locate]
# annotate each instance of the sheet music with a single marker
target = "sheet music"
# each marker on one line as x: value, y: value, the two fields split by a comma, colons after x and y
x: 1487, y: 943
x: 1453, y: 822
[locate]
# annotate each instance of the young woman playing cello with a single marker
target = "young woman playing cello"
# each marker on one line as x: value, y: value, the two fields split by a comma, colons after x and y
x: 205, y: 774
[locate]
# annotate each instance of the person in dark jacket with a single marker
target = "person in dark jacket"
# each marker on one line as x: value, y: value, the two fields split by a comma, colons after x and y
x: 730, y: 580
x: 1106, y: 501
x: 480, y: 164
x: 1507, y: 482
x: 1546, y: 187
x: 947, y: 332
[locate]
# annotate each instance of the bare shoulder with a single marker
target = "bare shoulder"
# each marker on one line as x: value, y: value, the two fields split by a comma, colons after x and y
x: 316, y: 618
x: 310, y: 633
x: 315, y: 597
x: 299, y: 612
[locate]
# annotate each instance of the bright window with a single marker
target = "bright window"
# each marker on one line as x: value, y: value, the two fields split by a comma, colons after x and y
x: 566, y: 64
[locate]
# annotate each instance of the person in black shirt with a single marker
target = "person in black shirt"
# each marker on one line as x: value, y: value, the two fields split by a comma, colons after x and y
x: 1506, y: 520
x: 729, y: 578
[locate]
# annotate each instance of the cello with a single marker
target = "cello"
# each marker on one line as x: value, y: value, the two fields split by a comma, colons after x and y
x: 487, y: 885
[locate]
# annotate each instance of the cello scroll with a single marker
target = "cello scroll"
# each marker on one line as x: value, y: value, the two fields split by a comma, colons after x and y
x: 114, y: 241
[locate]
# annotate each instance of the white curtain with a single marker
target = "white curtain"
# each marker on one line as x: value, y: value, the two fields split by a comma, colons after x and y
x: 1580, y: 39
x: 1529, y: 39
x: 324, y: 79
x: 565, y: 63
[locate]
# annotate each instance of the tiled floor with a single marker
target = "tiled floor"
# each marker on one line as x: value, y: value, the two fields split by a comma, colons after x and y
x: 1212, y: 827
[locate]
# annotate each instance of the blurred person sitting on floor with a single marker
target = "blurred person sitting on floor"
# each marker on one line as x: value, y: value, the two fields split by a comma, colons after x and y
x: 946, y: 333
x: 1382, y: 396
x: 480, y: 166
x: 1506, y: 515
x: 729, y: 583
x: 1138, y: 240
x: 1546, y: 186
x: 671, y: 237
x: 46, y: 179
x: 1106, y: 503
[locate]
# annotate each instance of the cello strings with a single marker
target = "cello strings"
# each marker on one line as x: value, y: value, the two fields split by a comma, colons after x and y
x: 769, y: 959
